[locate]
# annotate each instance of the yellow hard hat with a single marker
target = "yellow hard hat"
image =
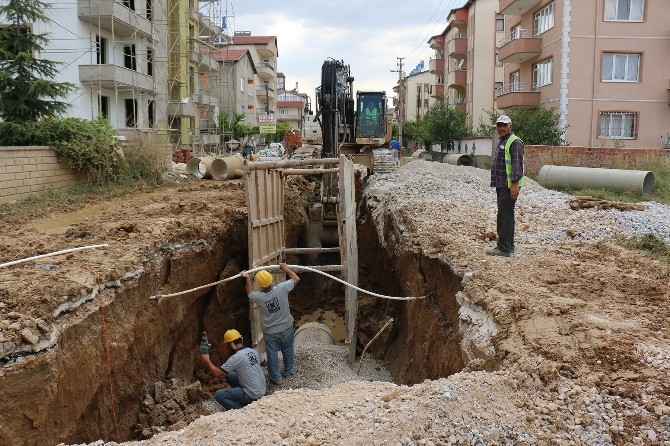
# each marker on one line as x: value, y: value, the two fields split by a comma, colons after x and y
x: 231, y: 335
x: 263, y: 278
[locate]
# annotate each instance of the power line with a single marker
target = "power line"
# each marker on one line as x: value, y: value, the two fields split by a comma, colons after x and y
x: 424, y: 37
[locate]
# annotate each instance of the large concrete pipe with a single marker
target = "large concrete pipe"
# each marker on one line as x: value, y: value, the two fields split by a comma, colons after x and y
x: 459, y: 159
x: 641, y: 181
x: 206, y: 167
x: 313, y: 333
x: 232, y: 166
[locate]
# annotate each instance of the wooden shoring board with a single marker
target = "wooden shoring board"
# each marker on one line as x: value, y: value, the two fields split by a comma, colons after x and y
x: 348, y: 239
x: 265, y: 210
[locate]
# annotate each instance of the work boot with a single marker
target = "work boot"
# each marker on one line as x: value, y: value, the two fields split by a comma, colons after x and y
x: 497, y: 252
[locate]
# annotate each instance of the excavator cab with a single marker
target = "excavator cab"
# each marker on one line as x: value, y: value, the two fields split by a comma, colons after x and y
x: 370, y: 117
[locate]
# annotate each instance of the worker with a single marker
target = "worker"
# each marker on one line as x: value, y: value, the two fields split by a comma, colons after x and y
x: 370, y: 117
x: 276, y: 319
x: 395, y: 150
x: 242, y: 372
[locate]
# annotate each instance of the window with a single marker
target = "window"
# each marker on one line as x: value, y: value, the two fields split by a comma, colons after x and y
x: 131, y: 112
x: 624, y: 10
x: 150, y: 62
x: 283, y: 111
x: 151, y: 113
x: 544, y: 19
x: 241, y: 85
x: 130, y: 4
x: 618, y: 125
x: 418, y: 89
x: 498, y: 89
x: 500, y: 22
x: 514, y: 82
x: 425, y: 103
x: 542, y: 73
x: 426, y: 88
x: 621, y: 67
x: 101, y: 50
x: 103, y: 106
x: 129, y: 57
x: 149, y: 7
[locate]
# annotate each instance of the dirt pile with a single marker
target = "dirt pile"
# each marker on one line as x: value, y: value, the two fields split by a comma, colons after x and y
x: 566, y: 342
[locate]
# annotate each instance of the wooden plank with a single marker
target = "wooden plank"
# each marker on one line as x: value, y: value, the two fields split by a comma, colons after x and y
x: 286, y: 172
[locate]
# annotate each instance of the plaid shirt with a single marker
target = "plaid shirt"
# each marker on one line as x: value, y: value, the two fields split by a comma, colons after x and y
x: 498, y: 174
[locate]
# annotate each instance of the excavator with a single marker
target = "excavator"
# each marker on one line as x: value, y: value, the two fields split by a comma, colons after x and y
x: 356, y: 128
x: 348, y: 130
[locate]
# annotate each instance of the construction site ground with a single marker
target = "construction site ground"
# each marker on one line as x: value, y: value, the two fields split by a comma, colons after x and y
x: 565, y: 342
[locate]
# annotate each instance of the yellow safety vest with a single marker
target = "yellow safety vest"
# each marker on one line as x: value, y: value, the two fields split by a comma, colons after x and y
x: 508, y: 160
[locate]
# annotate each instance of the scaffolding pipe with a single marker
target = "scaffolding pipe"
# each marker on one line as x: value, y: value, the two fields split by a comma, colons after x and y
x: 640, y: 181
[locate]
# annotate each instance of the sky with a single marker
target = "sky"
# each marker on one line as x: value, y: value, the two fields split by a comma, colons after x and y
x: 368, y: 35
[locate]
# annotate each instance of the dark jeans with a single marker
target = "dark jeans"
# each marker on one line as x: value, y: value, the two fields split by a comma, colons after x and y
x: 505, y: 219
x: 234, y: 397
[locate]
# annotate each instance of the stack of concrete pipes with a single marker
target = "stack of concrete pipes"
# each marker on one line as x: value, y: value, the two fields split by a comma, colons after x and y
x: 209, y: 167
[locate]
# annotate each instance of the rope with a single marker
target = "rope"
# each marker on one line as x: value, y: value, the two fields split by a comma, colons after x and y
x: 295, y: 268
x: 360, y: 363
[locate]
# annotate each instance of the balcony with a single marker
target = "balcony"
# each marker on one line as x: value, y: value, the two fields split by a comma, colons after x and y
x: 267, y: 51
x: 202, y: 98
x: 457, y: 79
x: 113, y: 17
x: 519, y: 47
x: 517, y: 7
x: 436, y: 42
x: 458, y: 103
x: 438, y: 91
x: 110, y: 76
x: 265, y: 71
x: 518, y: 95
x: 185, y: 108
x: 436, y: 66
x: 458, y: 48
x: 205, y: 25
x: 459, y: 18
x: 263, y: 93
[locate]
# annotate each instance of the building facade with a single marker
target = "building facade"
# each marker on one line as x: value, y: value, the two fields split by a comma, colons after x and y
x: 419, y: 96
x: 603, y: 65
x: 465, y: 60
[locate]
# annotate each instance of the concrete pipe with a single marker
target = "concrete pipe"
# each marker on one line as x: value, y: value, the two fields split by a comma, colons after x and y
x: 640, y: 181
x: 232, y: 167
x: 206, y: 167
x: 458, y: 159
x: 313, y: 333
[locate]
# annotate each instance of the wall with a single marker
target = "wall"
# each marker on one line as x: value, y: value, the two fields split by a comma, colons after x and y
x: 576, y: 156
x: 27, y: 170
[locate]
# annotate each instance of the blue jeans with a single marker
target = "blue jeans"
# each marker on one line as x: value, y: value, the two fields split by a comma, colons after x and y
x: 234, y: 397
x: 274, y: 343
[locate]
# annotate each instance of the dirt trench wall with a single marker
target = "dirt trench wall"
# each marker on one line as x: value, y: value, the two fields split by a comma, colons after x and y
x: 430, y: 338
x: 63, y: 394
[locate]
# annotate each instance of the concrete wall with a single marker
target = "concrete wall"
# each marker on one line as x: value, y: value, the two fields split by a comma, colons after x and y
x: 537, y: 156
x: 27, y: 170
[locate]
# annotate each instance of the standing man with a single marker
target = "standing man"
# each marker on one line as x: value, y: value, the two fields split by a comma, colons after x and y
x: 276, y: 319
x: 395, y: 150
x: 507, y: 178
x: 242, y: 371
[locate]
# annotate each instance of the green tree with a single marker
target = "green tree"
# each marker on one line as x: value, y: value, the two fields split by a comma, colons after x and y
x: 27, y: 89
x: 443, y: 124
x: 534, y: 125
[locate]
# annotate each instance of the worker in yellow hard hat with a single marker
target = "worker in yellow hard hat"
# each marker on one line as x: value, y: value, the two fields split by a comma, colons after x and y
x: 276, y: 319
x: 242, y: 372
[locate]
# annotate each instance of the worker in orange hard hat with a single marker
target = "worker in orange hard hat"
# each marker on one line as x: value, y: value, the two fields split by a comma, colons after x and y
x: 276, y: 319
x: 242, y: 372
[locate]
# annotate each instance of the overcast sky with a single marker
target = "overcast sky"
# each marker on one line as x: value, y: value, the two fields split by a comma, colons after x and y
x: 369, y: 35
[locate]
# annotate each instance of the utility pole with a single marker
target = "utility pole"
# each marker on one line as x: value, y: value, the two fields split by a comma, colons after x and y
x: 400, y: 98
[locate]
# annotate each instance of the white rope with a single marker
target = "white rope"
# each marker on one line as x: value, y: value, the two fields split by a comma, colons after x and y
x: 271, y: 268
x: 41, y: 256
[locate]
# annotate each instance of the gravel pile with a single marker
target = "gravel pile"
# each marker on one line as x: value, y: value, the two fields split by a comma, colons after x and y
x: 432, y: 190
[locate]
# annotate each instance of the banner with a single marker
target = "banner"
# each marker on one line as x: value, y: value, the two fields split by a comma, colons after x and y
x: 267, y: 123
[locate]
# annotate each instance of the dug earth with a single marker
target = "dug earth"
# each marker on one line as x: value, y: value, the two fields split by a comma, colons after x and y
x: 565, y: 342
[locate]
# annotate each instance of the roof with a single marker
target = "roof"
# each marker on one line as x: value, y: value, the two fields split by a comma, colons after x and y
x: 253, y: 40
x: 227, y: 54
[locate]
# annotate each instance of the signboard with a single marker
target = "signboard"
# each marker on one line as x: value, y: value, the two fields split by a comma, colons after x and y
x: 267, y: 123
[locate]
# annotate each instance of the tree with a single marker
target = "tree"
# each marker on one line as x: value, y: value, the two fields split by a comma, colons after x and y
x: 443, y: 124
x: 534, y: 125
x: 27, y: 89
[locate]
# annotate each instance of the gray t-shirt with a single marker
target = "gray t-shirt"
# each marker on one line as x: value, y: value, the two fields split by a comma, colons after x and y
x: 246, y: 363
x: 275, y: 312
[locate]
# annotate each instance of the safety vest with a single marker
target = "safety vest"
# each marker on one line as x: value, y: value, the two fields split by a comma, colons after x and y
x: 371, y: 113
x: 508, y: 160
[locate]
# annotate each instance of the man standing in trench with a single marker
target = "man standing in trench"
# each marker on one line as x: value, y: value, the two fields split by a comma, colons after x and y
x: 276, y: 319
x: 507, y: 178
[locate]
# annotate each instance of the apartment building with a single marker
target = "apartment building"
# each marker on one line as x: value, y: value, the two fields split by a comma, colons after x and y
x: 291, y: 108
x: 264, y: 51
x: 418, y: 94
x: 602, y: 64
x: 465, y: 60
x: 237, y: 80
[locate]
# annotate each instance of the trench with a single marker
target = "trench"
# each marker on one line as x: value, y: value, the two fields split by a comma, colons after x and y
x: 153, y: 344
